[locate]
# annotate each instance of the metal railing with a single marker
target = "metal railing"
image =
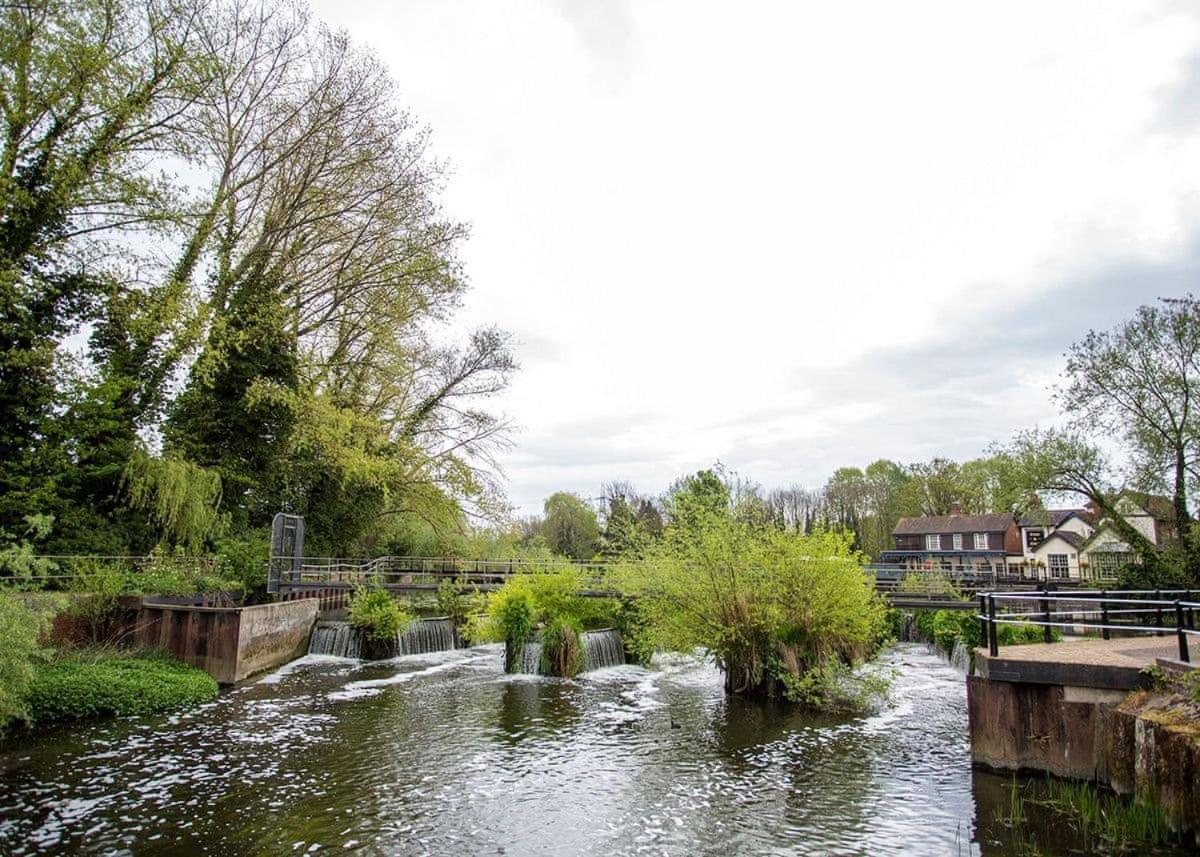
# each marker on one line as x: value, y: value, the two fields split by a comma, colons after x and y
x: 1131, y: 611
x: 59, y: 572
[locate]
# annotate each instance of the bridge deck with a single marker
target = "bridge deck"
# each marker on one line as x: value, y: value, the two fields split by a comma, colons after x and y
x: 1114, y: 664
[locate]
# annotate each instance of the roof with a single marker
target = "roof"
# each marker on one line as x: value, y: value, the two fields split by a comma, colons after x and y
x: 1159, y: 507
x: 1052, y: 517
x: 1073, y: 539
x: 931, y: 524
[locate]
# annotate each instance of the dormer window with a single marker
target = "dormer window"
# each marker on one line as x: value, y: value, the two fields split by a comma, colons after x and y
x: 981, y: 541
x: 933, y: 543
x: 957, y: 539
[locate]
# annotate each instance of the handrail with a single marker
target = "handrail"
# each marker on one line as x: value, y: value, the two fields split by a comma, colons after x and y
x: 1182, y: 610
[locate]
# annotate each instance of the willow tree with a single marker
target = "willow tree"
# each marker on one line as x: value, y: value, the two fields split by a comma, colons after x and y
x: 780, y: 612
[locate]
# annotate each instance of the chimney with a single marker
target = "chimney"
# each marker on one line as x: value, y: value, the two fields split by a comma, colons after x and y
x: 955, y: 508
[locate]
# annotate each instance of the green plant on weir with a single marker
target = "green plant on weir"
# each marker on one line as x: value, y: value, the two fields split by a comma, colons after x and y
x: 562, y: 654
x: 375, y: 611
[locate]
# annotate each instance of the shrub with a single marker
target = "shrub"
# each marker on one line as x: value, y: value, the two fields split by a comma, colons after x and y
x: 105, y: 683
x: 375, y: 611
x: 562, y: 654
x: 20, y: 628
x: 243, y: 558
x: 98, y: 586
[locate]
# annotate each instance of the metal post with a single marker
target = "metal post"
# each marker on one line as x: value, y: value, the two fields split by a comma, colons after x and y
x: 1180, y: 633
x: 993, y: 643
x: 1158, y: 612
x: 1103, y: 615
x: 1045, y: 615
x: 983, y: 623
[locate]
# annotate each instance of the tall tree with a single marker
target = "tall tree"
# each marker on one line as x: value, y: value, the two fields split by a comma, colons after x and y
x: 570, y: 526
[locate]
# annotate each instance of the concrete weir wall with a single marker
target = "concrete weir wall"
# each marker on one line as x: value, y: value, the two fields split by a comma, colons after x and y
x: 229, y: 643
x: 1138, y: 743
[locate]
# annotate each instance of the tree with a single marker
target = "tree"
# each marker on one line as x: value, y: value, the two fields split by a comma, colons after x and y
x: 570, y: 526
x: 1140, y: 382
x: 629, y: 520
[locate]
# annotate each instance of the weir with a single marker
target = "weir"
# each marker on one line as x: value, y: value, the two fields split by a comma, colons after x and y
x: 602, y: 648
x: 343, y: 640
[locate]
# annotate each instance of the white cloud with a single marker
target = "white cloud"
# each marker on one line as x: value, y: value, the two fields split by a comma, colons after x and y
x: 690, y: 211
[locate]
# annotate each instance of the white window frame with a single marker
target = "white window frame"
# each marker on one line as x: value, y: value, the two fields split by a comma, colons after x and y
x: 981, y: 541
x: 956, y: 540
x: 933, y: 542
x: 1060, y: 570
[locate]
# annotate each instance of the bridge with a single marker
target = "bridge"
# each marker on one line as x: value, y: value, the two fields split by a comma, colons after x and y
x: 903, y: 587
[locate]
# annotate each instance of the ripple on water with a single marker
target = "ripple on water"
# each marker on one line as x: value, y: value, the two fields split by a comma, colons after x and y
x: 444, y: 753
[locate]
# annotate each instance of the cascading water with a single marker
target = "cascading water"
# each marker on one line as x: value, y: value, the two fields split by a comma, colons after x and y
x: 339, y: 639
x: 960, y: 657
x: 602, y: 649
x: 530, y: 662
x: 425, y: 636
x: 343, y: 640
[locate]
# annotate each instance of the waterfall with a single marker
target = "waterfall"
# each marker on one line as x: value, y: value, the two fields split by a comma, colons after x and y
x: 531, y: 659
x: 602, y: 648
x: 960, y: 658
x: 425, y: 636
x: 339, y: 639
x: 343, y: 640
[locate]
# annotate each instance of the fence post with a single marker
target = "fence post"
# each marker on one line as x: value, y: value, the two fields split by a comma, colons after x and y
x: 993, y: 643
x: 1045, y: 614
x: 1103, y: 614
x: 983, y: 623
x: 1158, y: 612
x: 1180, y: 633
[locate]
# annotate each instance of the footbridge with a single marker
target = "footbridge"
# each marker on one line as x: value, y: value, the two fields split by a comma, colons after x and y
x: 902, y: 587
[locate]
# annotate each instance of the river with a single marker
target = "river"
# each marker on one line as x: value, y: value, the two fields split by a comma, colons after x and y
x: 445, y: 754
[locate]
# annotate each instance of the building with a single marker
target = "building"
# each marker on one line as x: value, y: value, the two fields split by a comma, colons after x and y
x: 1051, y: 543
x: 1106, y: 551
x: 978, y: 544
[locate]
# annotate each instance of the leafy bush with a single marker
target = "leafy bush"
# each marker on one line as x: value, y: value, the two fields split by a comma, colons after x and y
x: 20, y: 628
x: 243, y: 558
x: 375, y: 611
x: 106, y: 683
x: 769, y: 606
x: 562, y: 654
x: 98, y: 586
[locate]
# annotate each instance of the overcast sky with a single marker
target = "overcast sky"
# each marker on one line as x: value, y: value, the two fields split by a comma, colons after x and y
x: 797, y: 236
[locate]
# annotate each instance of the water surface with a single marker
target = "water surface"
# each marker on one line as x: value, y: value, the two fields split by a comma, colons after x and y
x: 445, y: 754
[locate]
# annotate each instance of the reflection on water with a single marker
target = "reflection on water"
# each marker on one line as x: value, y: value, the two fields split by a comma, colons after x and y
x: 446, y: 754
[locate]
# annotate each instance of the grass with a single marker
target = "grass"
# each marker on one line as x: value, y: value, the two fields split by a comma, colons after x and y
x: 99, y: 683
x: 1106, y: 822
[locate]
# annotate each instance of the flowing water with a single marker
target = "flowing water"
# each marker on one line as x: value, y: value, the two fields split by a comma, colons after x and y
x: 601, y: 649
x: 343, y: 640
x: 446, y: 754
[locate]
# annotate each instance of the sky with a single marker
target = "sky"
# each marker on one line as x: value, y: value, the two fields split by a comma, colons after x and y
x: 797, y: 236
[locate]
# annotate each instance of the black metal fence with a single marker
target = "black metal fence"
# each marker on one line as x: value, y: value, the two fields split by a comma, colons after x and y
x: 1086, y: 612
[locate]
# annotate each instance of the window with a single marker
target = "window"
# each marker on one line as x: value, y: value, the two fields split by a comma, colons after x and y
x: 1033, y: 538
x: 1058, y: 565
x: 1108, y: 564
x: 957, y: 540
x: 933, y: 543
x: 981, y: 541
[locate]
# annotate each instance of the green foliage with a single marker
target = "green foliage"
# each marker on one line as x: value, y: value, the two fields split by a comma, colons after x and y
x: 97, y: 684
x: 181, y: 498
x: 20, y: 629
x: 375, y: 611
x: 243, y: 559
x: 751, y: 595
x: 570, y: 526
x: 834, y: 686
x: 562, y: 654
x: 98, y: 587
x: 459, y: 606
